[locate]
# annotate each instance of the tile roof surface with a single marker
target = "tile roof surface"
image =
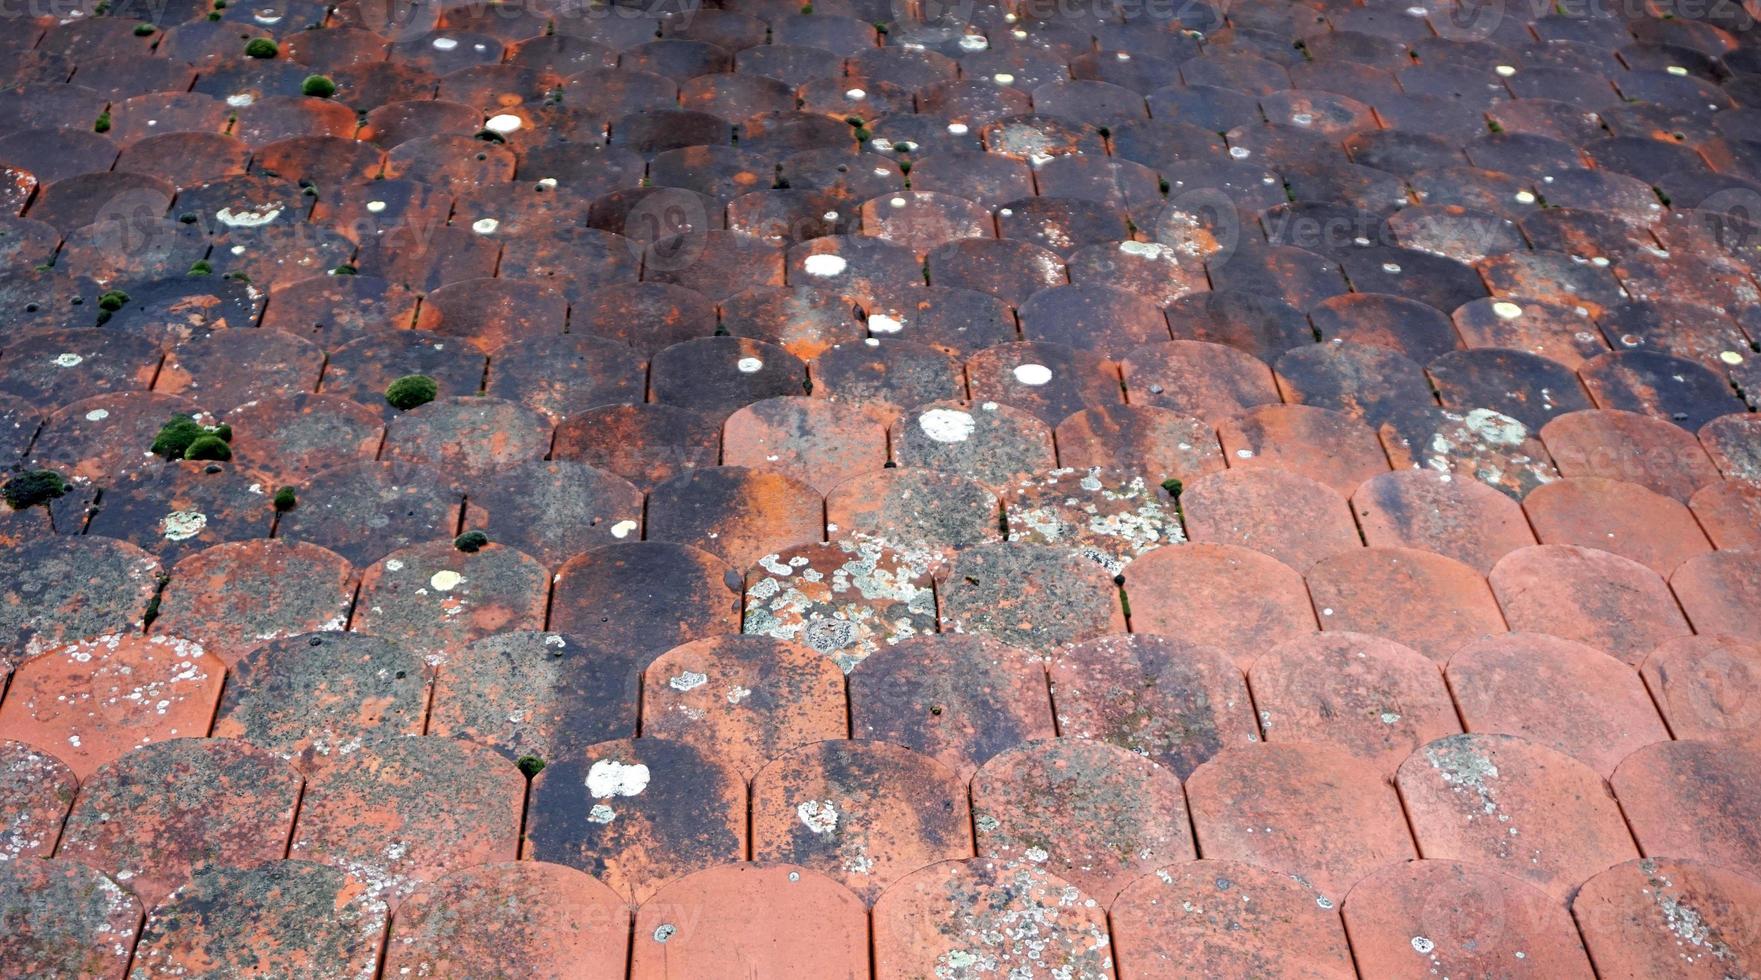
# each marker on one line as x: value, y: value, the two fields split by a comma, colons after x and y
x: 880, y: 488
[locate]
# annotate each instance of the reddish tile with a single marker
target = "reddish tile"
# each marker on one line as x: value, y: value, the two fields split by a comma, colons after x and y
x: 864, y: 813
x: 1629, y: 917
x: 1310, y: 810
x: 1174, y: 702
x: 1706, y: 686
x: 1096, y: 316
x: 94, y: 701
x: 1239, y: 601
x: 467, y: 435
x: 402, y: 812
x: 1608, y: 602
x: 323, y: 694
x: 1366, y: 381
x: 1729, y: 511
x: 739, y: 514
x: 206, y: 369
x: 1692, y: 800
x: 1328, y: 446
x: 818, y: 442
x: 993, y: 444
x: 803, y: 320
x: 51, y: 368
x: 884, y: 379
x: 180, y: 507
x: 538, y: 695
x: 1624, y: 518
x: 1513, y: 806
x: 1372, y: 697
x: 743, y: 917
x: 1207, y: 380
x: 1049, y: 380
x: 1444, y: 918
x: 1720, y: 592
x: 645, y: 444
x: 36, y: 790
x: 1626, y: 446
x: 150, y: 818
x: 1426, y: 601
x: 1560, y: 333
x: 435, y: 598
x: 315, y: 919
x: 646, y: 597
x: 286, y: 439
x: 68, y: 588
x: 1279, y: 513
x: 106, y: 437
x: 1038, y: 597
x: 967, y: 916
x: 1734, y: 443
x: 553, y: 511
x: 744, y: 699
x: 65, y: 919
x: 924, y: 516
x: 1557, y: 693
x: 1434, y: 511
x: 1228, y: 918
x: 637, y: 814
x: 526, y: 917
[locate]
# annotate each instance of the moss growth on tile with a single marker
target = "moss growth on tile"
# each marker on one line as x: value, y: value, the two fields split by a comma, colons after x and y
x: 32, y: 488
x: 318, y: 87
x: 286, y: 499
x: 411, y: 390
x: 261, y: 47
x: 201, y: 267
x: 102, y: 125
x: 145, y: 30
x: 470, y: 541
x: 531, y: 765
x: 177, y: 438
x: 208, y: 446
x: 112, y: 301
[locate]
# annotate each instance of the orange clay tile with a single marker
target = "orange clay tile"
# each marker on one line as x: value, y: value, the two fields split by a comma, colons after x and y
x: 520, y: 917
x: 1670, y: 917
x: 994, y: 444
x: 1159, y: 443
x: 751, y: 920
x: 637, y: 813
x: 1558, y: 693
x: 844, y: 600
x: 543, y: 695
x: 94, y: 701
x: 744, y: 699
x: 1110, y: 516
x: 645, y: 596
x: 555, y: 510
x: 1631, y: 447
x: 1228, y: 919
x: 436, y: 598
x: 1311, y: 810
x: 1707, y: 687
x: 1239, y: 601
x: 65, y: 919
x: 1729, y: 511
x: 1034, y: 596
x: 1504, y: 803
x: 404, y: 811
x: 1204, y: 380
x: 1169, y: 700
x: 36, y: 790
x: 736, y: 513
x: 231, y: 598
x: 956, y: 698
x: 315, y: 695
x: 1370, y: 696
x: 645, y: 444
x: 1456, y: 517
x: 1720, y: 592
x: 467, y: 435
x: 314, y: 920
x: 864, y: 813
x: 1325, y: 445
x: 924, y: 515
x: 971, y: 918
x: 1096, y: 815
x: 1623, y: 518
x: 818, y: 442
x: 1273, y: 511
x: 1426, y: 601
x: 66, y: 589
x: 188, y: 802
x: 1445, y: 918
x: 1693, y: 800
x: 1611, y: 603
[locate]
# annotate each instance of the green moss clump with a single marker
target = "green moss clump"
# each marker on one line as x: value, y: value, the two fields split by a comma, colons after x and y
x: 33, y: 488
x: 145, y: 30
x: 411, y: 390
x: 112, y: 301
x: 318, y: 87
x: 470, y: 541
x: 102, y: 125
x: 177, y: 438
x: 208, y: 446
x: 261, y: 47
x: 1173, y: 486
x: 201, y: 267
x: 344, y: 270
x: 531, y: 765
x: 286, y: 500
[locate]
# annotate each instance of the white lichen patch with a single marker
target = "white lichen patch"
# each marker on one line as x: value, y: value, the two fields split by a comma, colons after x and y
x: 1033, y: 375
x: 819, y: 816
x: 1108, y: 517
x: 824, y: 265
x: 947, y: 424
x: 609, y: 777
x: 688, y: 681
x: 445, y: 580
x: 854, y: 596
x: 246, y: 219
x: 181, y: 525
x: 68, y: 360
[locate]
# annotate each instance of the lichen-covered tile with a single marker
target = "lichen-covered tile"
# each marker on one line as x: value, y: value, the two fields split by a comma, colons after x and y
x: 1633, y: 918
x: 1038, y: 597
x: 36, y: 790
x: 923, y: 516
x: 65, y: 919
x: 1110, y: 516
x: 637, y: 814
x: 437, y: 597
x: 150, y: 818
x: 93, y: 701
x: 67, y: 588
x: 1514, y: 806
x: 845, y: 599
x: 323, y: 694
x: 988, y: 442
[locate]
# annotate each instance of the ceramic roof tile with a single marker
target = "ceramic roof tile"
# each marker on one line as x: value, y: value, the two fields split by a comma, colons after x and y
x: 69, y: 919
